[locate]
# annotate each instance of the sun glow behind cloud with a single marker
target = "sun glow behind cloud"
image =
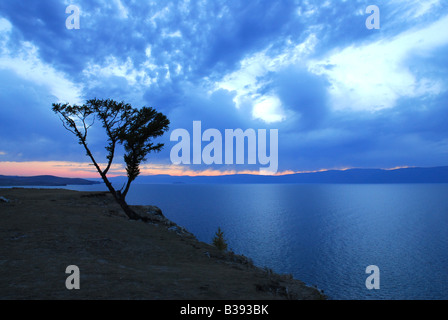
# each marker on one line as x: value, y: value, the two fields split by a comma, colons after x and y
x: 374, y: 76
x: 252, y: 76
x: 27, y: 64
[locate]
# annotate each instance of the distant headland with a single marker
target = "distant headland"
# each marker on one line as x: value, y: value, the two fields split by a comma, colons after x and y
x: 349, y: 176
x: 43, y: 181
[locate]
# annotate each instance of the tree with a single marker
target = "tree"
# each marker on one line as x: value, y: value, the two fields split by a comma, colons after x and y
x: 219, y: 241
x: 133, y: 128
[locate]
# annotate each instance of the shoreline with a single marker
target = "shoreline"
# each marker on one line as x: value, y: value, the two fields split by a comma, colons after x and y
x: 45, y: 230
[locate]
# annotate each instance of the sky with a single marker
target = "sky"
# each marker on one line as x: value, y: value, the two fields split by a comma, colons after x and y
x: 340, y: 95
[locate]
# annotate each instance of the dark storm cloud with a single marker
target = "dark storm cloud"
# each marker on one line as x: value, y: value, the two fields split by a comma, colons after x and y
x: 305, y: 94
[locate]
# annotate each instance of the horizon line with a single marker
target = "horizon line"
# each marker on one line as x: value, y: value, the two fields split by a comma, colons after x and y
x: 85, y: 170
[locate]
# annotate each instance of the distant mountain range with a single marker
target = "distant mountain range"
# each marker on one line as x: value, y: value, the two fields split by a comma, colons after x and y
x: 405, y: 175
x: 42, y: 181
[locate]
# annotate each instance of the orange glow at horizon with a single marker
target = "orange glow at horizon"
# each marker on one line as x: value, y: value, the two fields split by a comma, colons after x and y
x: 56, y: 168
x: 87, y: 170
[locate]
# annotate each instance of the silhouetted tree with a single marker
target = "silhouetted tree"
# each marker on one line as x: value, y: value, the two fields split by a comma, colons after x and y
x: 133, y: 128
x: 219, y: 241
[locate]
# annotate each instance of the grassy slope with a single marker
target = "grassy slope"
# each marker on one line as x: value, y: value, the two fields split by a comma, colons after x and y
x: 44, y: 231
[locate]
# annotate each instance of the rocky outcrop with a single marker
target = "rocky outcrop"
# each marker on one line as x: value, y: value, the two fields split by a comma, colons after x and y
x: 154, y: 215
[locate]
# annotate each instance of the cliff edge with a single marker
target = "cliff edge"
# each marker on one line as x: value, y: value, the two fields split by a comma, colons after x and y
x: 43, y: 231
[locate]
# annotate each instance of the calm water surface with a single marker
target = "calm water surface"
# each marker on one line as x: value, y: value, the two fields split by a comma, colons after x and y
x: 325, y: 235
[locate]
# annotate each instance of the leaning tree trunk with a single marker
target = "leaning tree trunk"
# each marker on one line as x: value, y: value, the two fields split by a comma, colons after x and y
x: 116, y: 194
x: 129, y: 212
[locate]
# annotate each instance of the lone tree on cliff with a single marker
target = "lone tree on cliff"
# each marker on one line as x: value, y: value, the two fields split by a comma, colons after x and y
x: 133, y: 128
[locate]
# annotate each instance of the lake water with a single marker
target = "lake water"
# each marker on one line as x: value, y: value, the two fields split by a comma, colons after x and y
x: 325, y: 235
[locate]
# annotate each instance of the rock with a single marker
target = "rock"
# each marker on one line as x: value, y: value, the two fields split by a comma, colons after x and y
x: 152, y: 214
x: 3, y: 199
x: 174, y: 228
x: 153, y: 210
x: 181, y: 231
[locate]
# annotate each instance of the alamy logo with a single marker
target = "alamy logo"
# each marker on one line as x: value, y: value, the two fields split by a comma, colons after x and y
x: 373, y: 21
x: 72, y: 21
x: 72, y: 281
x: 373, y: 280
x: 234, y: 140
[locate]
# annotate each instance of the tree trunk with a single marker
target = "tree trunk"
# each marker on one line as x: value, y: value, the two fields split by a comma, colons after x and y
x: 129, y: 212
x: 116, y: 194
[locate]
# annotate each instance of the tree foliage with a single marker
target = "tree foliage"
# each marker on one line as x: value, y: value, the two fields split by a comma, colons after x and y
x: 133, y: 128
x: 219, y: 241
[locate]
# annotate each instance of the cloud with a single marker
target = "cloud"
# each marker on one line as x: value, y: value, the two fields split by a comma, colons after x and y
x: 5, y: 26
x: 252, y: 80
x: 339, y: 94
x: 415, y: 9
x: 29, y: 129
x: 303, y: 95
x: 414, y: 132
x: 25, y: 62
x: 373, y: 76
